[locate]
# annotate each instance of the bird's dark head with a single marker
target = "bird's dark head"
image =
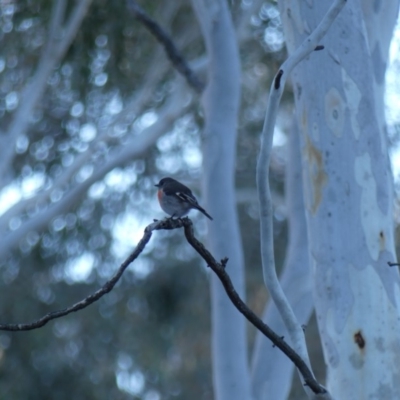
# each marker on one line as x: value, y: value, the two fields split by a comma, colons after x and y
x: 163, y: 181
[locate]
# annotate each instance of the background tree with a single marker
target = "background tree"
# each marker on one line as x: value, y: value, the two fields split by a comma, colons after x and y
x: 93, y: 113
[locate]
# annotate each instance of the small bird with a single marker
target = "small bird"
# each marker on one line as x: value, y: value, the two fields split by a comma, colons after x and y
x: 176, y: 199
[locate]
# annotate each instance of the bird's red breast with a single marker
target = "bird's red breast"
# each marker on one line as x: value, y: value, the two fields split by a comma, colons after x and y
x: 160, y: 194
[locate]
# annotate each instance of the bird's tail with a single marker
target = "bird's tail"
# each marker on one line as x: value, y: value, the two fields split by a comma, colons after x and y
x: 201, y: 209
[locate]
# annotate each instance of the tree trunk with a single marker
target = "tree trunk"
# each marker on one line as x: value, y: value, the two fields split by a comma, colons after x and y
x: 349, y: 194
x: 221, y: 107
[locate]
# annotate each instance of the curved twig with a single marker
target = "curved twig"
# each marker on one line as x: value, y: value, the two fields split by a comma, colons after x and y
x: 220, y: 270
x: 106, y: 288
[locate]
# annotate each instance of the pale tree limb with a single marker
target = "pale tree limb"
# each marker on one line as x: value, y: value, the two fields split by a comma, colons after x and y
x: 221, y: 101
x: 219, y: 268
x: 56, y: 21
x: 133, y: 149
x: 266, y: 214
x: 272, y: 372
x: 52, y: 54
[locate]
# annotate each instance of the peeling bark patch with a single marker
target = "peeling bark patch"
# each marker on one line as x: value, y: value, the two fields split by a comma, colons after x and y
x: 316, y: 172
x: 353, y: 98
x: 372, y: 218
x: 334, y: 111
x: 359, y: 339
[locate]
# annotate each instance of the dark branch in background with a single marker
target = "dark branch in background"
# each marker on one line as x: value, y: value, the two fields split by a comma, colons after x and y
x: 220, y: 270
x: 172, y: 52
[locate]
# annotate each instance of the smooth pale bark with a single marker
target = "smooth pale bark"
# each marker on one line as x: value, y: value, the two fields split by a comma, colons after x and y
x: 272, y: 371
x: 294, y: 329
x: 221, y: 105
x: 349, y: 196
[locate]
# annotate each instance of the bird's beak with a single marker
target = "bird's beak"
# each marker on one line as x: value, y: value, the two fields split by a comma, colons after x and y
x: 157, y: 185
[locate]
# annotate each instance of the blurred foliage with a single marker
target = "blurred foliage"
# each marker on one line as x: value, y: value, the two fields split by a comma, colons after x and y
x: 150, y: 337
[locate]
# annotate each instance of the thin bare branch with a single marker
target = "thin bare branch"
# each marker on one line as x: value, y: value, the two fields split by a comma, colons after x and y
x: 220, y: 270
x: 393, y: 264
x: 106, y: 288
x: 218, y: 267
x: 173, y: 53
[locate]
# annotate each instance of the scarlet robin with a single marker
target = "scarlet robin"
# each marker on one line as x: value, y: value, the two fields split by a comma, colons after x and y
x: 176, y: 199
